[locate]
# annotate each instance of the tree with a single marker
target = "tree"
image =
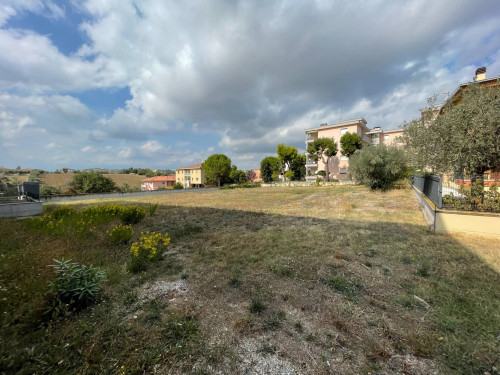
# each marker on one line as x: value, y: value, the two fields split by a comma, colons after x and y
x: 324, y: 149
x: 92, y: 182
x: 463, y: 136
x: 349, y: 143
x: 298, y: 167
x: 286, y: 154
x: 378, y: 167
x: 237, y: 176
x: 217, y: 167
x: 268, y: 166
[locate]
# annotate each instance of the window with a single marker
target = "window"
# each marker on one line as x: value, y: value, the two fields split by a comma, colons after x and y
x: 163, y: 183
x: 196, y: 178
x: 343, y: 157
x: 343, y: 131
x: 386, y: 137
x: 343, y: 170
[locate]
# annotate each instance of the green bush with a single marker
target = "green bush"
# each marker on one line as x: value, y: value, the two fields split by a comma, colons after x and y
x: 75, y: 287
x: 132, y: 214
x: 178, y: 186
x: 378, y: 167
x: 120, y: 234
x: 49, y: 190
x: 92, y: 182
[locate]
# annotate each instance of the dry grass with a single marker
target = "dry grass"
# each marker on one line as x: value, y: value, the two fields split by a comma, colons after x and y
x: 292, y: 280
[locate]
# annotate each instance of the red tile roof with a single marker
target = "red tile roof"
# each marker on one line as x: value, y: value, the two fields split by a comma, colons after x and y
x: 159, y: 179
x: 194, y: 166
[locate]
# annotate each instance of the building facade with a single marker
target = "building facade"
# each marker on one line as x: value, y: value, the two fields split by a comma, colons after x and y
x: 191, y: 176
x: 339, y: 164
x: 154, y: 183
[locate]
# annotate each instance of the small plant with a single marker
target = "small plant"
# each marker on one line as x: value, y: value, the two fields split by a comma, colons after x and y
x: 257, y: 305
x: 424, y: 269
x: 178, y: 186
x: 152, y: 208
x: 267, y: 348
x: 274, y: 321
x: 75, y: 286
x: 132, y: 214
x: 150, y: 247
x: 120, y: 234
x: 298, y: 327
x: 343, y: 286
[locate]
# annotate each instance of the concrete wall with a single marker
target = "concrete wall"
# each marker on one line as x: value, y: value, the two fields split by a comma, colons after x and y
x: 447, y: 221
x: 468, y: 222
x: 21, y: 209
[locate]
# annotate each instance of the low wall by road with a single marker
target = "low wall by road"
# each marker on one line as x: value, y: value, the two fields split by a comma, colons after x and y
x: 20, y: 209
x: 307, y: 184
x: 69, y: 198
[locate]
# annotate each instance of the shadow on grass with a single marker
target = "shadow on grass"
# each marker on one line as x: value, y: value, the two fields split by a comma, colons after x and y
x: 341, y: 276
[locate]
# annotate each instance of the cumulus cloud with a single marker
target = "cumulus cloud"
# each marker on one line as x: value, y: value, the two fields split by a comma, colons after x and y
x: 255, y: 73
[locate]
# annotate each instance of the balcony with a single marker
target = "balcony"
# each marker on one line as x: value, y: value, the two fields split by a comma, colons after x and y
x: 311, y: 163
x: 310, y: 137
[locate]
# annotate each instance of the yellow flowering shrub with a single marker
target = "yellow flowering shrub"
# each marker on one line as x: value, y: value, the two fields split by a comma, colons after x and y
x: 150, y: 247
x: 120, y: 234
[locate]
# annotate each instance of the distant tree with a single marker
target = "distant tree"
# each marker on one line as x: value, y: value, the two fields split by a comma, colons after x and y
x: 463, y: 136
x: 286, y: 154
x: 350, y: 143
x: 324, y: 149
x: 178, y: 186
x: 298, y: 167
x: 268, y: 166
x: 217, y: 168
x: 237, y: 176
x: 378, y: 167
x: 92, y: 182
x: 34, y: 175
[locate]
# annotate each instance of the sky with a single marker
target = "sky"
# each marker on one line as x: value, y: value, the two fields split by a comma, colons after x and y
x: 166, y: 83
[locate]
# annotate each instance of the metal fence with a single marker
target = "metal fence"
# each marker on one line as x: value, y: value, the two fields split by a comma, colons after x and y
x: 471, y: 192
x: 430, y: 185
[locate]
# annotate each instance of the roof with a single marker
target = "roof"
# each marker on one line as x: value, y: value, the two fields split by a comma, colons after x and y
x: 159, y: 179
x: 357, y: 121
x: 465, y: 84
x: 194, y: 166
x: 393, y: 131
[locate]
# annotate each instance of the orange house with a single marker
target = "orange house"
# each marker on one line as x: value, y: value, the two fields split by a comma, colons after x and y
x: 154, y: 183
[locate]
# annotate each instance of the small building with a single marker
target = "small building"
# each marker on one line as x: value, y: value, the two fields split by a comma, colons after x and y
x: 154, y: 183
x: 191, y: 176
x: 255, y: 176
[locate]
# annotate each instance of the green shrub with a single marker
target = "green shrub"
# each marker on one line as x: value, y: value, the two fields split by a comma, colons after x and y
x: 378, y: 167
x: 178, y: 186
x: 49, y: 190
x: 120, y: 234
x: 92, y: 182
x: 75, y: 286
x: 322, y: 173
x: 132, y: 214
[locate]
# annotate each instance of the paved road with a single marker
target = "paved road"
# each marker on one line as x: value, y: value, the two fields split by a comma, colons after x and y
x: 69, y: 198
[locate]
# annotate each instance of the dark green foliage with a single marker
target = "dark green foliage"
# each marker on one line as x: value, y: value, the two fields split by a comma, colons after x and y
x: 237, y: 176
x: 268, y: 166
x: 178, y: 186
x: 74, y: 287
x: 378, y: 167
x: 49, y: 190
x: 217, y: 168
x: 324, y: 149
x: 152, y: 208
x: 343, y: 286
x: 92, y: 182
x: 257, y: 305
x: 298, y: 167
x: 247, y: 185
x: 132, y: 214
x: 286, y: 154
x: 350, y: 143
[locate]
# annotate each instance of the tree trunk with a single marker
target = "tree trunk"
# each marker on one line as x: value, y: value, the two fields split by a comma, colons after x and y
x: 218, y: 182
x: 327, y: 172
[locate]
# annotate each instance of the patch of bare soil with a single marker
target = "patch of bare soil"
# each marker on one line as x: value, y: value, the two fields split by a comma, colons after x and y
x: 163, y: 289
x: 409, y: 365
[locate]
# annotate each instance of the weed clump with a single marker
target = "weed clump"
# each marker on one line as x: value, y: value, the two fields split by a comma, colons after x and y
x: 75, y: 287
x: 274, y: 321
x: 132, y: 214
x: 343, y: 286
x: 257, y: 305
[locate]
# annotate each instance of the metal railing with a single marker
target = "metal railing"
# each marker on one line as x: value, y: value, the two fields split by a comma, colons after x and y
x: 430, y: 185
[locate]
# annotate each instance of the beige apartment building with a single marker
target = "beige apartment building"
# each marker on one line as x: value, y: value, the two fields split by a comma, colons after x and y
x: 339, y: 164
x: 191, y: 176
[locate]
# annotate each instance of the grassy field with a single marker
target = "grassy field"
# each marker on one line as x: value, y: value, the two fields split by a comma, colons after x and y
x: 329, y: 280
